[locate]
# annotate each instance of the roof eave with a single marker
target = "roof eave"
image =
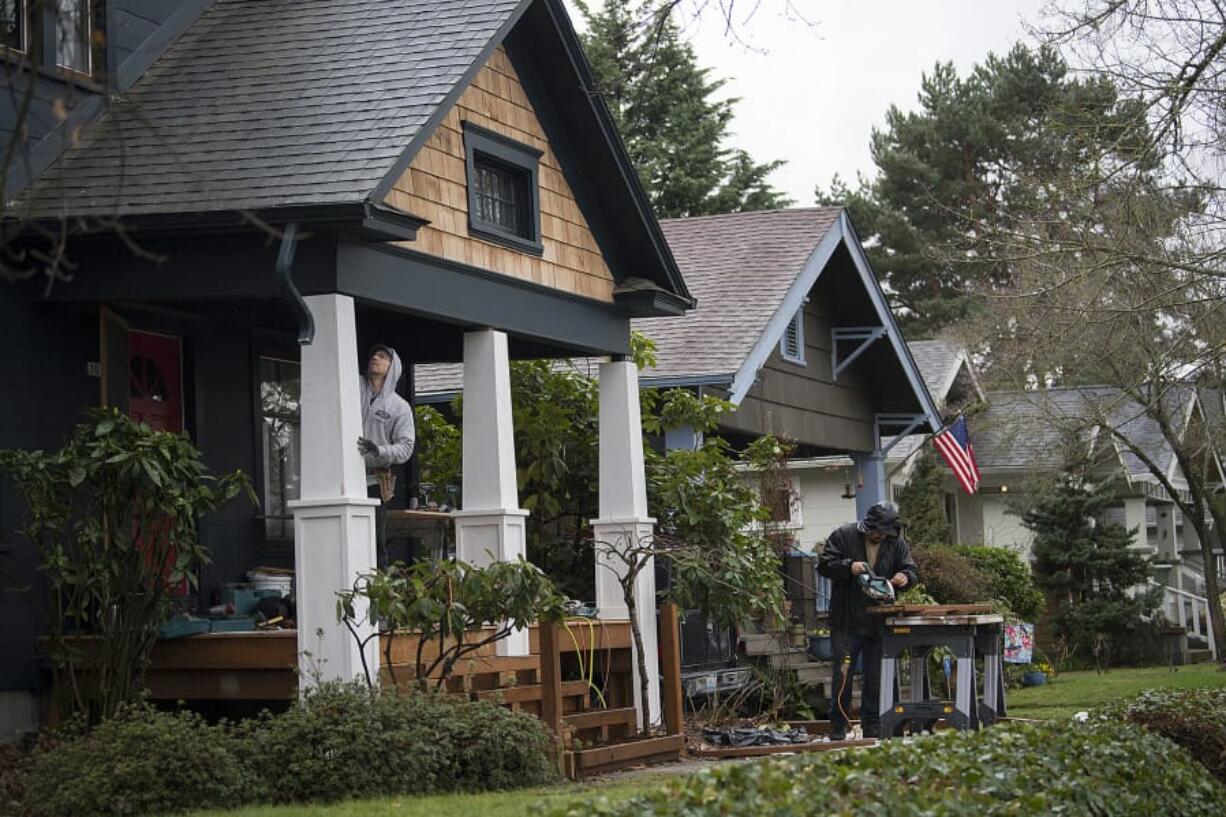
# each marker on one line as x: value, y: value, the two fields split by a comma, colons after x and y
x: 362, y: 219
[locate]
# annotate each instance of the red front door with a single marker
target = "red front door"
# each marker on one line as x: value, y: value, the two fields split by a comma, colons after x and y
x: 155, y: 396
x: 155, y: 384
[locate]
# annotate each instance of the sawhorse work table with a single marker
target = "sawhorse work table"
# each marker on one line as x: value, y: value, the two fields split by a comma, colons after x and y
x: 965, y: 635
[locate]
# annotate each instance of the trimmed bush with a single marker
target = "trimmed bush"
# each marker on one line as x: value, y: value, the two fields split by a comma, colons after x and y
x: 1096, y: 768
x: 344, y: 741
x: 1193, y: 718
x: 139, y: 762
x: 341, y: 741
x: 1008, y: 579
x: 949, y: 576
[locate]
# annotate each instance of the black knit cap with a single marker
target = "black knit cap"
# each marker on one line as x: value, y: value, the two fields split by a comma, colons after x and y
x: 380, y: 347
x: 882, y: 517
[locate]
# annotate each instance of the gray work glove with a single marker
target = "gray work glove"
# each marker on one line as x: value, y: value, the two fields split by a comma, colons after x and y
x: 365, y: 447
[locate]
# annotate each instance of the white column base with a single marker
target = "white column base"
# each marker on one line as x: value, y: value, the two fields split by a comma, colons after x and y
x: 334, y: 541
x: 483, y: 537
x: 620, y: 534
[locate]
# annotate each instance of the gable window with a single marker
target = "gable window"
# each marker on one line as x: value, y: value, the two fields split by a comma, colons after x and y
x: 503, y: 192
x: 792, y: 345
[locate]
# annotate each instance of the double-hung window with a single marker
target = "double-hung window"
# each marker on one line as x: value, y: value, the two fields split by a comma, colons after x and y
x: 280, y: 430
x: 503, y: 191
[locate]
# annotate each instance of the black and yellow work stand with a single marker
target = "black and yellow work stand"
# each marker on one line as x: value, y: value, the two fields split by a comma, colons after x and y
x: 965, y: 636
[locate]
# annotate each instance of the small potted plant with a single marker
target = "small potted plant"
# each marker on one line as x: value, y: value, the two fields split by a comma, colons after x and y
x: 1036, y: 674
x: 820, y: 646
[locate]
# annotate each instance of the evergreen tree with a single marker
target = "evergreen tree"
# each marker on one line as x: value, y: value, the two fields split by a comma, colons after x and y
x: 922, y: 503
x: 953, y: 172
x: 661, y: 100
x: 1088, y: 564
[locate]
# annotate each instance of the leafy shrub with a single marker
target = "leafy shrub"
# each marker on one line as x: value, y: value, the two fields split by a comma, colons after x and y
x: 340, y: 741
x: 1008, y: 579
x: 14, y: 766
x: 1096, y: 768
x: 345, y: 741
x: 949, y: 576
x: 1193, y: 718
x: 140, y: 762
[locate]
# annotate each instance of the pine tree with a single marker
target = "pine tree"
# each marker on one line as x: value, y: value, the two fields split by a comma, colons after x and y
x: 952, y: 172
x: 661, y: 100
x: 922, y: 503
x: 1089, y: 565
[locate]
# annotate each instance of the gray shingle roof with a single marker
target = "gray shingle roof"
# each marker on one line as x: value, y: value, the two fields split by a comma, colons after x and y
x: 1032, y: 429
x: 265, y: 103
x: 938, y: 362
x: 739, y: 267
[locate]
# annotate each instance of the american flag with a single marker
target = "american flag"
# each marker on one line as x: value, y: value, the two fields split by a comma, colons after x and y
x: 955, y: 446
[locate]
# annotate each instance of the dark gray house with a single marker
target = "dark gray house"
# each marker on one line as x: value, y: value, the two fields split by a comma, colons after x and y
x: 247, y: 194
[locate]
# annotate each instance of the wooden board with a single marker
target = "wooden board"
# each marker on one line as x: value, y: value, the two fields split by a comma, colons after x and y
x: 722, y: 752
x: 930, y: 609
x: 638, y: 752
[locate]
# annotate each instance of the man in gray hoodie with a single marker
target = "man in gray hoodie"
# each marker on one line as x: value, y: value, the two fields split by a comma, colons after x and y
x: 387, y: 418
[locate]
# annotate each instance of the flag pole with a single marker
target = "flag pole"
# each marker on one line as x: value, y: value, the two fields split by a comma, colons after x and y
x: 928, y: 438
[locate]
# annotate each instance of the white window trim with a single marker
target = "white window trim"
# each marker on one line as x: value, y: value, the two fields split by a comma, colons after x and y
x: 799, y: 321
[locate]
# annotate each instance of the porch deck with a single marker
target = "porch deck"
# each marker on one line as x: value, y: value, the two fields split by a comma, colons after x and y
x: 263, y: 666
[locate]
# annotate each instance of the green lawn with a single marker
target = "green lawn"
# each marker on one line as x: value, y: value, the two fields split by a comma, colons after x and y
x: 493, y: 804
x: 1072, y: 692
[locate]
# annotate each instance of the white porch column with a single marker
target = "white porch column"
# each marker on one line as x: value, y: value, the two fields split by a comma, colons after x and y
x: 624, y: 521
x: 1168, y: 547
x: 1134, y: 518
x: 334, y: 521
x: 490, y: 528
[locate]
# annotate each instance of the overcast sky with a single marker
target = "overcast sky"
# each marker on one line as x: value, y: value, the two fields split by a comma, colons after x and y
x: 812, y: 94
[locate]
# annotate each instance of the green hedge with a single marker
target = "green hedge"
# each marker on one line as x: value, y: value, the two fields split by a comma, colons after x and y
x: 1193, y: 718
x: 1094, y: 769
x: 339, y: 742
x: 140, y: 762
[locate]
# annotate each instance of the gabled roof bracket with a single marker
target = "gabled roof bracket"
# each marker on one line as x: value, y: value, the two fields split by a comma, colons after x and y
x: 864, y: 334
x: 907, y: 422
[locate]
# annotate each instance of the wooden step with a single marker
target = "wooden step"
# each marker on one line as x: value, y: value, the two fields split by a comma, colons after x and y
x: 601, y: 717
x: 790, y: 659
x: 815, y: 672
x: 763, y: 643
x: 1200, y: 656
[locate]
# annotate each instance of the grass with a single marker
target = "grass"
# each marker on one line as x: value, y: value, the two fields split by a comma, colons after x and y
x: 1072, y: 692
x: 490, y: 804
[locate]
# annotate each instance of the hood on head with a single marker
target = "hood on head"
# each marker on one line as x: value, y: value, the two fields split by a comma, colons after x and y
x: 396, y: 369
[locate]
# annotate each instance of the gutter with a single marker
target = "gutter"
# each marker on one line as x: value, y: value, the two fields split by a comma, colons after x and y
x: 285, y: 285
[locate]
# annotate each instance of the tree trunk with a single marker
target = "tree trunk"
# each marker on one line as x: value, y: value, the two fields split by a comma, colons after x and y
x: 1213, y: 589
x: 640, y: 656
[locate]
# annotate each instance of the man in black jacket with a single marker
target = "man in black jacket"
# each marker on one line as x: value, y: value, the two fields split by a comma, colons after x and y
x: 876, y: 546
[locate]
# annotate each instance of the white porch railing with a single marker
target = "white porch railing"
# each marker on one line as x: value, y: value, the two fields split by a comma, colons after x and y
x: 1188, y: 610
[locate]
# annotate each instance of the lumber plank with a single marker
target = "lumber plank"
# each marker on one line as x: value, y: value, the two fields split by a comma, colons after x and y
x: 763, y: 751
x: 601, y: 717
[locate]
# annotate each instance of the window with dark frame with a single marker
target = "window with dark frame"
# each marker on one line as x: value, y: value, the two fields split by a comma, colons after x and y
x: 281, y: 435
x: 62, y: 34
x: 503, y: 193
x: 14, y: 24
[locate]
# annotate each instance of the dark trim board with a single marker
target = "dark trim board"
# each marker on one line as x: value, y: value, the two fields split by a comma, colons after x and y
x: 410, y: 282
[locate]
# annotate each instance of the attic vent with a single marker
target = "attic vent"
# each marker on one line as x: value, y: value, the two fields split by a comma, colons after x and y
x: 792, y: 346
